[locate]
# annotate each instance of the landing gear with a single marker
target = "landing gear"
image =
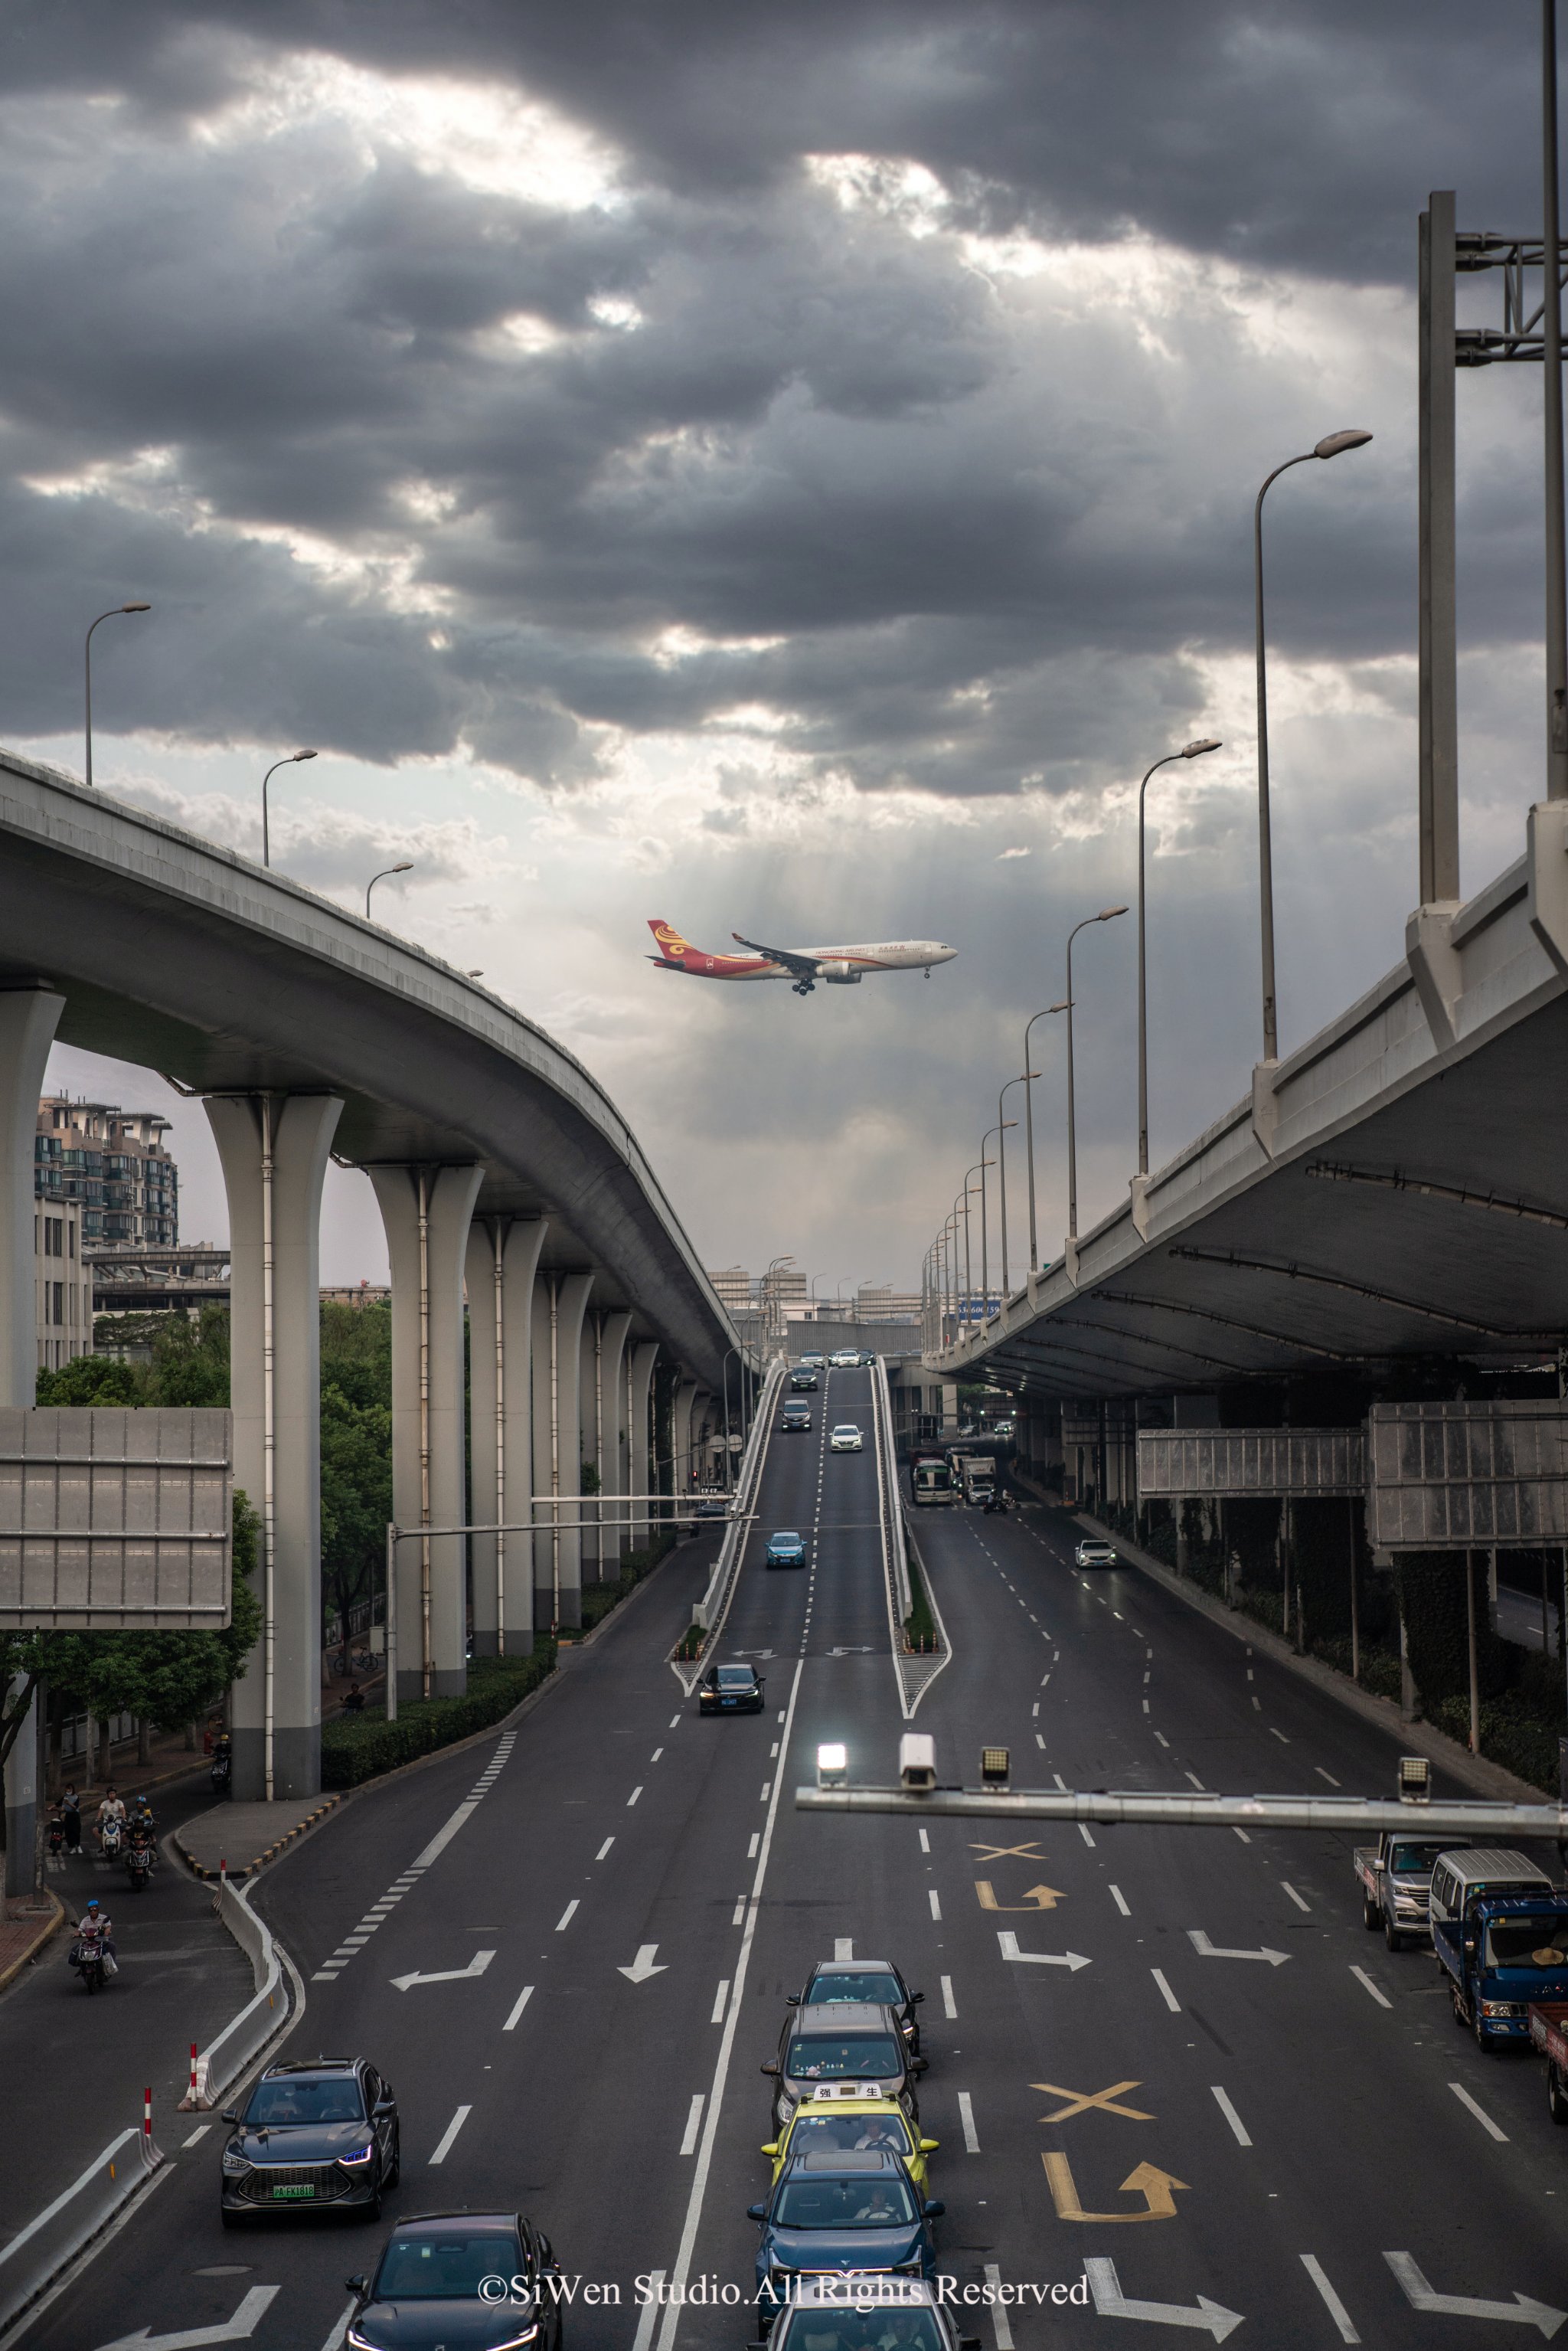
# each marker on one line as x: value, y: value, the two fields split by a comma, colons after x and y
x: 803, y: 986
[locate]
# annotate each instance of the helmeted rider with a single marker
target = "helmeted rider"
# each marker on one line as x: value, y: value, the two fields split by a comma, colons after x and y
x: 95, y: 1920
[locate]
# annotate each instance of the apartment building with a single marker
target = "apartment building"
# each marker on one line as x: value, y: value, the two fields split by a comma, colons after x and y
x: 102, y: 1178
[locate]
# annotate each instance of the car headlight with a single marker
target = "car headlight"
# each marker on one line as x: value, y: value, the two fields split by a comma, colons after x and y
x: 361, y: 2342
x: 514, y: 2342
x: 234, y: 2161
x: 359, y: 2154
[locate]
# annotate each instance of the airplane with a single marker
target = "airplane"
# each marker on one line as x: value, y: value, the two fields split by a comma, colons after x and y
x: 801, y: 966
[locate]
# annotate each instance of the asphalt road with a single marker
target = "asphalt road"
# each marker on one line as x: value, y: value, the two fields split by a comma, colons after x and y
x: 1261, y: 2132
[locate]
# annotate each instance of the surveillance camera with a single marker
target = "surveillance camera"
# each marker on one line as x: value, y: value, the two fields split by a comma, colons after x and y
x: 918, y: 1762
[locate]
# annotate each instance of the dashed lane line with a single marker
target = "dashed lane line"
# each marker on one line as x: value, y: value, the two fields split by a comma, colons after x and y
x: 949, y: 2006
x: 1222, y: 2101
x: 1166, y: 1994
x: 1367, y: 1985
x: 967, y: 2117
x: 444, y: 2144
x: 1332, y: 2303
x: 1479, y: 2112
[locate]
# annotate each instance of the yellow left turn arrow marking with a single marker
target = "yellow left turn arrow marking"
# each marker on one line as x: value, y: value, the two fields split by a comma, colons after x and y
x: 1036, y: 1897
x: 1155, y: 2187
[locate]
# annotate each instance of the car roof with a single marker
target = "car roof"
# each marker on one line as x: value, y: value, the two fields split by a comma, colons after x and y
x: 859, y: 2096
x: 1483, y: 1862
x: 851, y: 1967
x: 299, y: 2065
x: 864, y: 2287
x: 830, y: 2023
x: 849, y: 2162
x: 470, y: 2220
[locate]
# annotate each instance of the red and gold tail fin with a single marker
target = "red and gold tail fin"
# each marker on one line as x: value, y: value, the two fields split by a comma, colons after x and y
x: 668, y: 940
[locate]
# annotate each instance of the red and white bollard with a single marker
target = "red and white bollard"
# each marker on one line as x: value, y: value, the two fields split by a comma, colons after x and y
x: 146, y: 2118
x: 195, y: 2100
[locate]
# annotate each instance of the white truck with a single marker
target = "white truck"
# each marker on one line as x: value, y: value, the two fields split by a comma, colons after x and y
x: 1395, y: 1879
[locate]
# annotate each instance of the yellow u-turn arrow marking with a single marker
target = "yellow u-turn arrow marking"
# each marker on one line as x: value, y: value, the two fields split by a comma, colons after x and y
x: 1155, y: 2187
x: 1036, y: 1897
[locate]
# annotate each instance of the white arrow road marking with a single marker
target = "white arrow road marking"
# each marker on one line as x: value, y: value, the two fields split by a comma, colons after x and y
x: 475, y: 1967
x: 1110, y: 2302
x: 1207, y: 1951
x: 1009, y: 1943
x: 1522, y: 2310
x: 237, y: 2329
x: 643, y: 1965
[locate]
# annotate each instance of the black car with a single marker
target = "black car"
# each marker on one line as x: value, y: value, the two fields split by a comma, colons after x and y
x: 730, y: 1689
x: 804, y: 1382
x: 851, y: 2213
x: 874, y: 1982
x: 795, y: 1417
x: 844, y: 2042
x: 459, y: 2281
x: 309, y: 2138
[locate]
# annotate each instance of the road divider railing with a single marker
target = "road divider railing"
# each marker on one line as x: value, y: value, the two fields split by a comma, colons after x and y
x: 711, y: 1610
x: 262, y: 2017
x: 51, y: 2240
x: 899, y: 1594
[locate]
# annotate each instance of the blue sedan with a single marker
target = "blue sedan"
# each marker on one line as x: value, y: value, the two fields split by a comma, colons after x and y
x: 851, y: 2211
x: 786, y: 1549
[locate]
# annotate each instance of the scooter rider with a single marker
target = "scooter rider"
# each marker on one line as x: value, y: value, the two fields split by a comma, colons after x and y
x: 95, y: 1920
x: 111, y: 1809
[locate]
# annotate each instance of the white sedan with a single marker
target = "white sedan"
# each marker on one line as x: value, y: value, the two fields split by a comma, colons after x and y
x: 844, y: 1358
x: 1095, y: 1552
x: 845, y: 1438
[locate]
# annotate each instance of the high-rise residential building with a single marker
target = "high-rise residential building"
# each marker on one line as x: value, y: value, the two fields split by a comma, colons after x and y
x: 102, y: 1177
x: 734, y: 1286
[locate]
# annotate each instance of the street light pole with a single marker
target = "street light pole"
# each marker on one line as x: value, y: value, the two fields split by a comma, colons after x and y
x: 1029, y: 1127
x: 1551, y: 352
x: 967, y: 1195
x: 1331, y: 445
x: 86, y: 669
x: 1002, y: 1168
x: 1188, y: 751
x: 985, y: 1240
x: 406, y: 867
x: 1106, y: 915
x: 291, y: 761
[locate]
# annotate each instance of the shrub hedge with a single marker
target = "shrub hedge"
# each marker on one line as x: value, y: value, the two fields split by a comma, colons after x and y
x: 359, y: 1747
x: 919, y: 1625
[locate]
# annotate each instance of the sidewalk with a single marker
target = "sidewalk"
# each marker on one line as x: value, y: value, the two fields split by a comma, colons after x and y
x: 243, y: 1837
x: 27, y: 1922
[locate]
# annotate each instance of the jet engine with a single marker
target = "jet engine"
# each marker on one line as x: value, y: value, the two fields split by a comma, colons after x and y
x: 841, y: 975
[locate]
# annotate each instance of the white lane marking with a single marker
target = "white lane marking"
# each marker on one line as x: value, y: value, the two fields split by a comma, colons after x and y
x: 1165, y: 1742
x: 843, y: 1948
x: 1147, y: 1679
x: 949, y: 2007
x: 1169, y: 1997
x: 1207, y: 1951
x: 935, y: 1902
x: 1480, y: 2113
x: 693, y: 2122
x: 1327, y: 1775
x: 966, y: 2116
x: 200, y: 2132
x: 1279, y: 1735
x: 1035, y: 1708
x: 655, y: 1755
x: 1332, y: 2303
x: 674, y: 1722
x: 443, y: 1837
x: 672, y: 2316
x: 1198, y: 1783
x: 1363, y: 1979
x: 1039, y: 1739
x: 1061, y: 1785
x: 740, y: 1917
x: 1243, y: 1836
x: 1294, y: 1895
x: 633, y: 1798
x: 762, y: 1799
x: 1145, y: 1705
x: 720, y: 1996
x: 450, y: 2133
x: 1231, y: 2116
x: 1118, y: 1615
x: 773, y: 1751
x: 340, y: 2329
x: 648, y: 2316
x: 1004, y: 2332
x: 1087, y: 1834
x: 756, y: 1839
x: 1249, y: 1674
x: 564, y: 1922
x: 1258, y: 1704
x: 523, y: 1998
x: 604, y: 1849
x: 1120, y: 1899
x: 924, y: 1842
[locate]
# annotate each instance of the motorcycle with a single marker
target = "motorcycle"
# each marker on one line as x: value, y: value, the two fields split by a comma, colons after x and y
x: 997, y: 1501
x: 56, y: 1833
x: 138, y: 1858
x: 220, y: 1771
x: 90, y: 1960
x: 110, y: 1839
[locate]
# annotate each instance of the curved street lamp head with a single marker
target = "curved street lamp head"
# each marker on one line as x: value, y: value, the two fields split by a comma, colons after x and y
x: 1334, y: 444
x: 1057, y: 1007
x: 297, y: 756
x: 1204, y: 743
x: 1109, y: 913
x: 136, y: 608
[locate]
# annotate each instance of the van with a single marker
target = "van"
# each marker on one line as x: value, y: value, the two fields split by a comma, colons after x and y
x: 1463, y: 1878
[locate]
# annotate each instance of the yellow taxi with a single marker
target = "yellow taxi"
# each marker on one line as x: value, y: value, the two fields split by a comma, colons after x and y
x: 841, y: 2116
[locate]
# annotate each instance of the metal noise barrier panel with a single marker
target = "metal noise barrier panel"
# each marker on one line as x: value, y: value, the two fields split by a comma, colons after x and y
x: 114, y: 1519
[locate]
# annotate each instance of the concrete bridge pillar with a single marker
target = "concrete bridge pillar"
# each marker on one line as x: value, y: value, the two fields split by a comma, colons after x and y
x: 500, y: 1265
x: 603, y: 1413
x: 641, y: 1357
x: 274, y: 1150
x: 426, y: 1212
x: 681, y: 1440
x: 560, y: 1300
x: 28, y: 1017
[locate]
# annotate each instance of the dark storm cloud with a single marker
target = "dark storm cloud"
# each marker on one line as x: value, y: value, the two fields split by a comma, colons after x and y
x: 984, y: 554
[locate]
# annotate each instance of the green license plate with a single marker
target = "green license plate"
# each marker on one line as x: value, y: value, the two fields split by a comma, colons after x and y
x: 294, y: 2191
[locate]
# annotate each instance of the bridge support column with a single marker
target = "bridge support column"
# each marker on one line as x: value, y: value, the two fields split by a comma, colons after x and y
x: 560, y: 1300
x: 274, y: 1150
x: 680, y: 1440
x: 426, y: 1212
x: 500, y: 1265
x: 641, y: 1358
x: 28, y: 1017
x: 603, y: 1412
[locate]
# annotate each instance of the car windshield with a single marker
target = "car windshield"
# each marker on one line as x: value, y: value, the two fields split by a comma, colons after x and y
x: 784, y: 1537
x: 864, y: 2330
x: 875, y: 2203
x: 846, y: 1428
x: 1414, y: 1860
x: 840, y: 2134
x: 866, y: 2056
x: 290, y: 2100
x: 734, y: 1678
x: 445, y: 2264
x: 1541, y: 1943
x: 875, y: 1986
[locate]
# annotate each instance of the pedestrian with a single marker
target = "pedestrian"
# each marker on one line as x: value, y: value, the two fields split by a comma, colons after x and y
x: 71, y: 1809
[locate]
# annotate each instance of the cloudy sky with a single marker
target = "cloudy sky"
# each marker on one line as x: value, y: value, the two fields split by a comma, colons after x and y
x: 786, y: 469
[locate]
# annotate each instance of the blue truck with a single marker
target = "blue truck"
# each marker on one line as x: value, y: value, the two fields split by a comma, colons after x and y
x: 1503, y: 1953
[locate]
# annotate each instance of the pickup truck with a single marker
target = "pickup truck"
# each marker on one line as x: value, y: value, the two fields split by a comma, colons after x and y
x: 1395, y: 1878
x: 1507, y: 1952
x: 1549, y: 2031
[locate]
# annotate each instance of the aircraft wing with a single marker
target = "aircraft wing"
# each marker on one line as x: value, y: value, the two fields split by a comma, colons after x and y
x: 804, y: 966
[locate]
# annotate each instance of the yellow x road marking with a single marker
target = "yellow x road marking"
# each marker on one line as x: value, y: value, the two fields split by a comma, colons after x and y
x: 1080, y: 2101
x: 1007, y: 1851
